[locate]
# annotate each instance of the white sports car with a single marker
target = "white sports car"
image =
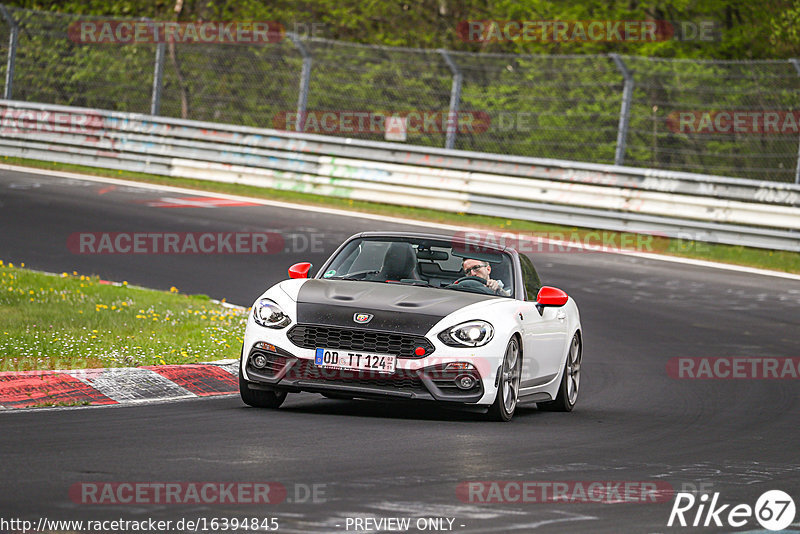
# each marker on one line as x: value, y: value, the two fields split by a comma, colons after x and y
x: 394, y: 315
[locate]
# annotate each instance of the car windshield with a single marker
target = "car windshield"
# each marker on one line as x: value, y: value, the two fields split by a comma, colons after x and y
x: 423, y: 262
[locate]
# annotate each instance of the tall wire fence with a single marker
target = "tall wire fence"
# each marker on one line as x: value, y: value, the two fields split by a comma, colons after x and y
x: 733, y: 118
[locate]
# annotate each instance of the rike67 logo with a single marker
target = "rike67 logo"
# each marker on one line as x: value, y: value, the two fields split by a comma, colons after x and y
x: 774, y: 510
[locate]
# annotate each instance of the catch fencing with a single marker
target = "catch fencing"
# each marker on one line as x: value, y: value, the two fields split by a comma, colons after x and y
x: 726, y: 118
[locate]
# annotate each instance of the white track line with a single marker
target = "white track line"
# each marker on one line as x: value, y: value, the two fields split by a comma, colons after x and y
x: 398, y: 220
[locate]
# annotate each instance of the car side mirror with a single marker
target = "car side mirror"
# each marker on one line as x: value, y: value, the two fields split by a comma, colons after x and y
x: 299, y: 270
x: 550, y: 296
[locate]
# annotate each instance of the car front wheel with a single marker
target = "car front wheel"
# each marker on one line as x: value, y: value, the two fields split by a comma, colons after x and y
x: 508, y: 389
x: 260, y: 398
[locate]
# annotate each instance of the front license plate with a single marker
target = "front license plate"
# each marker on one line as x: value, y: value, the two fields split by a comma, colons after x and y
x: 357, y: 361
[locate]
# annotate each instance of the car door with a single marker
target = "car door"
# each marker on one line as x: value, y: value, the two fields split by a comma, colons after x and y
x: 544, y: 332
x: 544, y: 338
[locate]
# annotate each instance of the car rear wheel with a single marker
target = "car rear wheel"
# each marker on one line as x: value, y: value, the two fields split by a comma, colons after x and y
x: 260, y: 398
x: 508, y: 389
x: 570, y: 381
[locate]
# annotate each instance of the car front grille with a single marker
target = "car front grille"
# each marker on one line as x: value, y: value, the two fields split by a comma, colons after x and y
x: 372, y: 341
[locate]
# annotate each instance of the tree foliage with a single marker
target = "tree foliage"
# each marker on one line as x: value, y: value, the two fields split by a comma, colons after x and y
x: 556, y: 99
x: 745, y: 29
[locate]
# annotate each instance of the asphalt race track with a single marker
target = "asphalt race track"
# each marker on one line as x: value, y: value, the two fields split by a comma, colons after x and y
x: 633, y: 422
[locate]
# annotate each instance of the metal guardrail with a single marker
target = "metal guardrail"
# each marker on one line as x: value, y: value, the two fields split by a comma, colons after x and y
x: 688, y: 206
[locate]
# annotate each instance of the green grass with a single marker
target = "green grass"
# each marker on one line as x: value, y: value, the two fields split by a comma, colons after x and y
x: 51, y: 404
x: 74, y: 321
x: 738, y: 255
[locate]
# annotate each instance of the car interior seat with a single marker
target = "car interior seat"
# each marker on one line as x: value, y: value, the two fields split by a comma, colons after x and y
x: 400, y: 262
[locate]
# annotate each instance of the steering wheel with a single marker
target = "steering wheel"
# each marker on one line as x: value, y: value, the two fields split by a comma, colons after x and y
x: 476, y: 278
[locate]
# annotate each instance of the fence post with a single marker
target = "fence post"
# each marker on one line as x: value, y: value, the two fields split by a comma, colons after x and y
x: 455, y: 100
x: 305, y: 77
x: 158, y: 76
x: 12, y: 51
x: 625, y: 109
x: 796, y: 63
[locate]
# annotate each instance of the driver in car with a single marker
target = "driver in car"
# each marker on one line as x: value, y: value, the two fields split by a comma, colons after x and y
x: 482, y: 269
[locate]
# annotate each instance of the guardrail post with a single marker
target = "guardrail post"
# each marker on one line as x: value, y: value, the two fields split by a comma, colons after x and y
x: 158, y: 76
x: 796, y: 63
x: 13, y: 37
x: 455, y: 100
x: 305, y: 77
x: 625, y: 109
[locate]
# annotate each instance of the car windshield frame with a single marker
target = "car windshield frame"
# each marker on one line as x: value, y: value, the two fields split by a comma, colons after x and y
x: 507, y: 258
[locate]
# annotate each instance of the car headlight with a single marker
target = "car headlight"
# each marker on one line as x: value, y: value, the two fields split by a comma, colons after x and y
x: 267, y: 313
x: 469, y: 334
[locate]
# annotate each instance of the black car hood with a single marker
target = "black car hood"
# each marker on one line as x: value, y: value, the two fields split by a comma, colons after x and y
x: 395, y: 307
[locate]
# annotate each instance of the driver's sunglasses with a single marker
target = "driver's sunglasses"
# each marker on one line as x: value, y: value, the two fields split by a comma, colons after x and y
x: 475, y: 267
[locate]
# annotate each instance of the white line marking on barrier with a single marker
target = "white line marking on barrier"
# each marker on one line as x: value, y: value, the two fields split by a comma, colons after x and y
x: 398, y: 220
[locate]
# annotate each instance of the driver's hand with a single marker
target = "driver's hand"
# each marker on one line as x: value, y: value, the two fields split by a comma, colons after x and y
x: 492, y: 284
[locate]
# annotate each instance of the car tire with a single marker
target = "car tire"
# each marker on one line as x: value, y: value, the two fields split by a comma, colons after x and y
x: 260, y: 398
x: 570, y: 380
x: 508, y: 389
